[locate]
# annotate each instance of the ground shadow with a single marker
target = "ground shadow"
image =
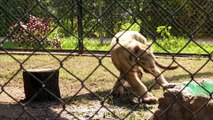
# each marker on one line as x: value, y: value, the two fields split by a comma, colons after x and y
x: 128, y: 99
x: 35, y: 110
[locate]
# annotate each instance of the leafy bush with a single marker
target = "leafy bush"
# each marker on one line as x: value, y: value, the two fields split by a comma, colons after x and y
x: 34, y: 33
x: 169, y: 42
x: 129, y: 26
x: 174, y: 44
x: 70, y: 43
x: 22, y: 39
x: 164, y: 32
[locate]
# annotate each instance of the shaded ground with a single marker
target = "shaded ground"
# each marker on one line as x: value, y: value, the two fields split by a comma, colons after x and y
x: 79, y: 101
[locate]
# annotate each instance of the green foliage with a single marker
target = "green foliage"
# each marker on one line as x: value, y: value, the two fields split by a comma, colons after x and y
x: 95, y: 45
x: 165, y: 32
x: 89, y: 44
x: 9, y: 45
x: 129, y: 26
x: 184, y: 15
x: 33, y: 33
x: 69, y: 43
x: 169, y: 42
x: 174, y: 44
x: 56, y: 34
x: 117, y: 16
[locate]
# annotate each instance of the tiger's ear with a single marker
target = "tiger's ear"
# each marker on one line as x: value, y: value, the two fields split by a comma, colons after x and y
x: 136, y: 49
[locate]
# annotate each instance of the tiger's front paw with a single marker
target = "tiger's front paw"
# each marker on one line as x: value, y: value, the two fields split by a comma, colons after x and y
x: 149, y: 99
x: 169, y: 85
x: 117, y: 92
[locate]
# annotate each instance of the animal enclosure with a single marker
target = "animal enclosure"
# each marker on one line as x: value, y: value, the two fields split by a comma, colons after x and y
x: 73, y: 37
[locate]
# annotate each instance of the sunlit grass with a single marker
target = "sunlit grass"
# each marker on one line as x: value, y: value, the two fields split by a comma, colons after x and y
x: 175, y: 45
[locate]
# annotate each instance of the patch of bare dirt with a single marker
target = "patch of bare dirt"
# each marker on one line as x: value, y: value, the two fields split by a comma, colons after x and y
x: 83, y: 105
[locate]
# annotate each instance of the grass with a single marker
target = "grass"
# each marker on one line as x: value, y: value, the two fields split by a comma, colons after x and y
x: 174, y: 45
x: 183, y: 45
x: 9, y: 45
x: 96, y: 79
x: 89, y: 44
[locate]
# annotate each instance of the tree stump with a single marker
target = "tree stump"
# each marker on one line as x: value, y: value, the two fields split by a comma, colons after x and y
x: 41, y: 84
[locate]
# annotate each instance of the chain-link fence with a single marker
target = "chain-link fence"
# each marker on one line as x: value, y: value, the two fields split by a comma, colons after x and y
x: 48, y: 34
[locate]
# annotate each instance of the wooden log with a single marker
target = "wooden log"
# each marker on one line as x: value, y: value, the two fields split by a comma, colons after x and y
x: 35, y: 80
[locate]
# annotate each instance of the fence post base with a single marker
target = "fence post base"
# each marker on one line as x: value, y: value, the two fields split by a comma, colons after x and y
x: 41, y: 84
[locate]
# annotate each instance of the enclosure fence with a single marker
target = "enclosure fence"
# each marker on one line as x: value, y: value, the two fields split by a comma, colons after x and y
x: 75, y: 26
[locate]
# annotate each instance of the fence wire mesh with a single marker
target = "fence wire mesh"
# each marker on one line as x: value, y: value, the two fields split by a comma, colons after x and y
x: 41, y: 28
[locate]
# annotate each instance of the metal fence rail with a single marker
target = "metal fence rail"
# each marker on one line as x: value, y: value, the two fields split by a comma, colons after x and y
x: 41, y: 26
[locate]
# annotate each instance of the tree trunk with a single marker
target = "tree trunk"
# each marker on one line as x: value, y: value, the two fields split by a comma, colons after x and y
x: 41, y: 85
